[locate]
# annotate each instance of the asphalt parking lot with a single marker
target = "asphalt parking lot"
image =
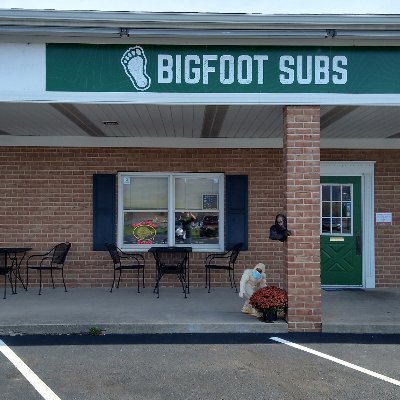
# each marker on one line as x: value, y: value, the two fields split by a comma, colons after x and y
x: 196, y: 366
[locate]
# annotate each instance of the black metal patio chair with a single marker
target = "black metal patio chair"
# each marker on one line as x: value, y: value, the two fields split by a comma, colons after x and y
x: 222, y: 261
x: 6, y: 267
x: 51, y: 261
x: 124, y: 261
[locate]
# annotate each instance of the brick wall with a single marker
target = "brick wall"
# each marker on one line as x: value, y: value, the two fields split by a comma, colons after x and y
x: 46, y: 197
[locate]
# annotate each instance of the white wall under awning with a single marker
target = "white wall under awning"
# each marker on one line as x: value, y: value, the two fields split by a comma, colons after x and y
x: 22, y: 71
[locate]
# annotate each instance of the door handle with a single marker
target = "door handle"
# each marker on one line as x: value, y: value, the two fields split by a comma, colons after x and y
x: 358, y: 244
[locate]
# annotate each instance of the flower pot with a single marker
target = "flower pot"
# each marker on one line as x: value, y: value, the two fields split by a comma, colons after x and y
x: 269, y: 315
x: 269, y: 300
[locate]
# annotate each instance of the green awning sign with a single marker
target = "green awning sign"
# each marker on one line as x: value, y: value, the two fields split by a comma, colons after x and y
x: 222, y: 69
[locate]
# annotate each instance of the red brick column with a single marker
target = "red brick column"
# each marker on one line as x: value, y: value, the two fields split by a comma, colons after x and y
x: 301, y: 157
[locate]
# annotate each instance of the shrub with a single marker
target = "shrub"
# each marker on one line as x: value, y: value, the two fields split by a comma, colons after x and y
x: 269, y: 297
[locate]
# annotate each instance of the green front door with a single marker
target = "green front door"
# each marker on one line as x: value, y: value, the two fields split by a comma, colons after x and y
x: 340, y: 227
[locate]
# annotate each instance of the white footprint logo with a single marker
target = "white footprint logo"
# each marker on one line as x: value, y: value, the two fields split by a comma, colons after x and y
x: 134, y: 62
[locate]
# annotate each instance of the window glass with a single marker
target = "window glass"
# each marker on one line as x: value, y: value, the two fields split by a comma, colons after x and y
x: 145, y: 227
x: 336, y: 225
x: 170, y: 209
x: 346, y: 193
x: 145, y: 210
x: 197, y: 210
x: 326, y: 209
x: 145, y: 193
x: 326, y: 225
x: 346, y: 225
x: 346, y: 209
x: 336, y: 209
x: 326, y: 193
x: 336, y: 193
x: 191, y: 193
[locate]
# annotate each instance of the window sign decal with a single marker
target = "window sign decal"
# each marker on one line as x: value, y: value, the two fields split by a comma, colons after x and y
x: 210, y: 201
x: 144, y: 232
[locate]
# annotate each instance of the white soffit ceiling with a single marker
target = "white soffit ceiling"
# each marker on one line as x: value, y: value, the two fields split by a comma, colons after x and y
x: 188, y: 121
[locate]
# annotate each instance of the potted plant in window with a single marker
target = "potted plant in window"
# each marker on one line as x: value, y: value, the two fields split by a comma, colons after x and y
x: 269, y: 300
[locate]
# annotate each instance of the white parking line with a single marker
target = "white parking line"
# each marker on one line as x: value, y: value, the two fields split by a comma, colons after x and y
x: 337, y: 360
x: 32, y: 378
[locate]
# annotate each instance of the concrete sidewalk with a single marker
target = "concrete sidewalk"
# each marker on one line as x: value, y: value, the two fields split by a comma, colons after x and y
x: 361, y: 311
x: 127, y: 312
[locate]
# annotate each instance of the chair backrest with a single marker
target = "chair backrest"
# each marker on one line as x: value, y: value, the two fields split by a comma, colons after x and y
x: 235, y: 252
x: 60, y: 253
x: 113, y: 250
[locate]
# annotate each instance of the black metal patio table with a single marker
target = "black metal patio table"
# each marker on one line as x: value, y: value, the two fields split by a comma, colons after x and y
x: 172, y: 260
x: 15, y: 255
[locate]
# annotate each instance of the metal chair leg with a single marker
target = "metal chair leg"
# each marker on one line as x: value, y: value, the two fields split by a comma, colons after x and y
x: 113, y: 282
x: 40, y: 281
x: 230, y: 278
x: 11, y: 283
x: 157, y: 287
x: 62, y: 274
x: 119, y: 277
x: 27, y: 278
x: 52, y: 280
x: 234, y: 282
x: 183, y: 283
x: 5, y: 285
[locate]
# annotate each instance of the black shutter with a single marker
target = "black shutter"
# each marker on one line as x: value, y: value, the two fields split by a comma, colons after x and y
x: 236, y: 210
x: 104, y: 186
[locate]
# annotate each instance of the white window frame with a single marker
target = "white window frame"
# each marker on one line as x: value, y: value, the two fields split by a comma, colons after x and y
x: 171, y: 211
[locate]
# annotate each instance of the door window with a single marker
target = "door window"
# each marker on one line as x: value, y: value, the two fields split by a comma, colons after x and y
x: 336, y: 209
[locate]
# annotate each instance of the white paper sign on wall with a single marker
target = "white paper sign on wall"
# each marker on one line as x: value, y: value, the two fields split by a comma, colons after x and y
x: 383, y: 218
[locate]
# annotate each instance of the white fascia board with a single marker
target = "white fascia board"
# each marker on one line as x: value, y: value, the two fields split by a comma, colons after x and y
x: 27, y: 90
x: 360, y: 143
x: 279, y: 21
x: 132, y: 142
x: 346, y: 168
x: 32, y: 96
x: 22, y: 71
x: 186, y: 143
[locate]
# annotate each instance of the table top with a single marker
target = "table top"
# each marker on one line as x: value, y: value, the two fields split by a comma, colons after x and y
x: 169, y: 249
x: 14, y: 249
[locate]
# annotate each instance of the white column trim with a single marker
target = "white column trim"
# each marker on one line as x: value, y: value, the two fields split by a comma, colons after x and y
x: 364, y: 169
